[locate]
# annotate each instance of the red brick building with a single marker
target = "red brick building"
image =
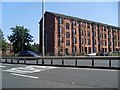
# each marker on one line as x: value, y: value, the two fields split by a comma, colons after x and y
x: 72, y: 35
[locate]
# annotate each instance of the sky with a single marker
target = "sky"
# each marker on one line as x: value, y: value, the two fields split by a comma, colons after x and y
x: 28, y: 14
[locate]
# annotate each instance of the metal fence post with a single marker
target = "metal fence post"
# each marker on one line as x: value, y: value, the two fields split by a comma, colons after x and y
x: 37, y: 61
x: 42, y: 61
x: 6, y: 60
x: 17, y: 60
x: 11, y: 61
x: 62, y: 61
x: 75, y: 62
x: 24, y: 61
x: 51, y: 62
x: 109, y: 62
x: 92, y: 62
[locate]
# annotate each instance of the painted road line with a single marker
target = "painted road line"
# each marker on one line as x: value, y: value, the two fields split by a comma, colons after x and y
x: 2, y: 66
x: 29, y: 69
x: 34, y: 77
x: 90, y: 69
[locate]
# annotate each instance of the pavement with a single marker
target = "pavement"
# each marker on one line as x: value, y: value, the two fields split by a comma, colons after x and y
x: 36, y: 76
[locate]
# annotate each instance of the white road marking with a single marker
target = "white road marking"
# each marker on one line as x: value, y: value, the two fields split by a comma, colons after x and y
x: 29, y: 69
x: 2, y: 66
x: 25, y: 76
x: 90, y: 69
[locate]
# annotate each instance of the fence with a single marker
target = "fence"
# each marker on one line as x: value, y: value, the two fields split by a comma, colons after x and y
x: 63, y: 59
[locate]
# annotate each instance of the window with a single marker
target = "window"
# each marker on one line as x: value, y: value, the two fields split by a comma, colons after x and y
x: 105, y: 43
x: 105, y: 49
x: 118, y: 37
x: 89, y: 33
x: 85, y: 33
x: 74, y: 49
x: 85, y: 41
x: 95, y: 49
x: 89, y: 49
x: 94, y: 34
x: 95, y: 42
x: 75, y: 40
x: 104, y: 29
x: 61, y: 50
x: 105, y: 36
x: 118, y: 43
x: 67, y: 25
x: 88, y: 26
x: 109, y: 36
x: 82, y: 40
x: 67, y: 42
x: 82, y: 49
x: 67, y: 35
x: 73, y: 23
x: 88, y: 41
x: 74, y: 32
x: 61, y: 39
x: 109, y: 42
x: 60, y: 20
x: 61, y: 30
x: 81, y: 32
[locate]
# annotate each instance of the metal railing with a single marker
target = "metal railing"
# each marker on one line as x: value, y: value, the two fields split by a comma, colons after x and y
x: 63, y: 59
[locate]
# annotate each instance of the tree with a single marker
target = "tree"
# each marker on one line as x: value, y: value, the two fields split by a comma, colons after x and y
x: 20, y: 38
x: 35, y: 47
x: 3, y: 44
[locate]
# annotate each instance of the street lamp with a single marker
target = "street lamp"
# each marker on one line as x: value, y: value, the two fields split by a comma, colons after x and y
x: 43, y: 47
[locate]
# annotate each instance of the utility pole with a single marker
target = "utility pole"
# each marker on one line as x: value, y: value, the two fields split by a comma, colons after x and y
x: 43, y: 46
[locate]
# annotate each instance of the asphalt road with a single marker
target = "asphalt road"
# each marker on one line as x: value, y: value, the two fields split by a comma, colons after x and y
x: 34, y: 76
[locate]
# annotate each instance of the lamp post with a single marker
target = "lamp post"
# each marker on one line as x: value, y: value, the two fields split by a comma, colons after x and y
x: 43, y: 47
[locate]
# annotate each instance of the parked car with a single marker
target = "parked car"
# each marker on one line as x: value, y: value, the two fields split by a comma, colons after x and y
x: 114, y: 53
x: 104, y: 54
x: 28, y: 54
x: 91, y: 54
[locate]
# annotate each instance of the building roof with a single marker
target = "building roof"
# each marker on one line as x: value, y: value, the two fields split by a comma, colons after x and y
x: 80, y: 19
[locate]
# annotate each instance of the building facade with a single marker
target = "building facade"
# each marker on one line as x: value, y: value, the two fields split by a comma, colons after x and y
x: 74, y: 36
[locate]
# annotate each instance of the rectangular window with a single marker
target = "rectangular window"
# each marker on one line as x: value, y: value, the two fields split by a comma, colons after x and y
x: 67, y: 42
x: 88, y: 41
x: 85, y: 41
x: 74, y: 32
x: 89, y: 49
x: 105, y: 49
x: 85, y: 33
x: 104, y: 29
x: 118, y: 37
x: 60, y: 20
x: 67, y: 25
x: 95, y: 34
x: 105, y: 43
x: 105, y: 36
x: 61, y: 39
x: 61, y: 30
x: 73, y: 23
x: 88, y: 26
x: 82, y: 40
x: 119, y: 44
x: 81, y: 32
x: 109, y: 43
x: 95, y: 49
x: 67, y: 35
x: 89, y: 33
x: 75, y: 40
x: 95, y: 42
x: 109, y: 36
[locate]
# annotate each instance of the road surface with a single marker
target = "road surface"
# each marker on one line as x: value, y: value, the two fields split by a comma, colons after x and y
x: 36, y: 76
